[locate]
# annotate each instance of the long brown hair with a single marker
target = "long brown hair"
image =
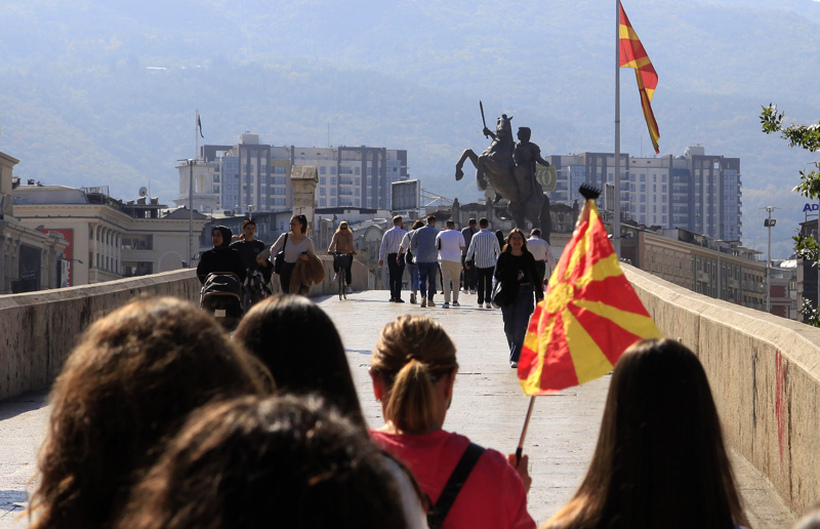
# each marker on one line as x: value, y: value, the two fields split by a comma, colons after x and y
x: 411, y: 356
x: 127, y: 387
x: 508, y: 248
x: 660, y: 460
x: 300, y: 346
x: 280, y: 462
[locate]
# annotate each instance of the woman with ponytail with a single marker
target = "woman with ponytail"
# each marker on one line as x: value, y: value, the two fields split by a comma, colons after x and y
x: 413, y: 369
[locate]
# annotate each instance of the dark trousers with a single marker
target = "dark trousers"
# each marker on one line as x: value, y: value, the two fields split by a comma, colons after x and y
x: 427, y: 279
x: 516, y: 319
x: 484, y: 284
x: 395, y: 270
x: 469, y: 274
x: 541, y: 268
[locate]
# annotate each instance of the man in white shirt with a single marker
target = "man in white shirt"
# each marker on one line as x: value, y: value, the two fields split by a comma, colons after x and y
x: 450, y: 244
x: 483, y: 253
x: 540, y: 249
x: 389, y: 249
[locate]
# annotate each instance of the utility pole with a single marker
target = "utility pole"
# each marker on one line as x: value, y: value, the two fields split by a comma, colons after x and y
x: 190, y: 164
x: 769, y: 223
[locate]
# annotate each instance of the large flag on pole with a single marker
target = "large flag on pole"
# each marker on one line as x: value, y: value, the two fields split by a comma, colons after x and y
x: 633, y: 55
x: 588, y: 317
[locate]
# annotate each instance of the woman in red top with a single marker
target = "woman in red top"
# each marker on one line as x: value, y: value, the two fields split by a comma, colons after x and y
x: 413, y: 369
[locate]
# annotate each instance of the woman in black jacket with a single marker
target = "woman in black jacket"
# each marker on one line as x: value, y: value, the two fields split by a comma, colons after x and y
x: 221, y: 258
x: 517, y: 273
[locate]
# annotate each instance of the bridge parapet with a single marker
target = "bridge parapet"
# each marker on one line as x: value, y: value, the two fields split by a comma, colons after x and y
x: 765, y: 376
x: 39, y: 329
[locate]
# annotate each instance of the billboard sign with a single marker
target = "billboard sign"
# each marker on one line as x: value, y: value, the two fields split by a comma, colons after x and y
x: 406, y: 195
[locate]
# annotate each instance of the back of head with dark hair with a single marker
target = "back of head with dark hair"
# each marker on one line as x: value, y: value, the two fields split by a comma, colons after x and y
x: 418, y: 224
x: 275, y: 462
x: 483, y: 223
x: 126, y: 388
x: 300, y: 346
x: 660, y: 460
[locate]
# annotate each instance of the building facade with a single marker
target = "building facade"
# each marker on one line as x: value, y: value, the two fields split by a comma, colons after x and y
x: 31, y: 258
x: 251, y: 176
x: 108, y: 239
x: 696, y: 192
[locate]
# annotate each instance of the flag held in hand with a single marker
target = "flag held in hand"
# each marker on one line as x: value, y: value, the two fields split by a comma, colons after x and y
x: 589, y: 315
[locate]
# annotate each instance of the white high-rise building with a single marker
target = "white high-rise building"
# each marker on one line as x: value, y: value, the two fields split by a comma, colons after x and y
x: 697, y: 192
x: 255, y: 176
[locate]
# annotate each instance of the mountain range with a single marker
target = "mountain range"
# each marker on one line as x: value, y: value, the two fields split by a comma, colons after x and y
x: 105, y: 93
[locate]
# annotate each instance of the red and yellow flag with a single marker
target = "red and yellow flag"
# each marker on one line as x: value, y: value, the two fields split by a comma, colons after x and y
x: 633, y: 55
x: 589, y: 316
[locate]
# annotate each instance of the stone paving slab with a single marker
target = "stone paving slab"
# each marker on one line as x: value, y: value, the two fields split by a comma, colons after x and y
x: 488, y: 406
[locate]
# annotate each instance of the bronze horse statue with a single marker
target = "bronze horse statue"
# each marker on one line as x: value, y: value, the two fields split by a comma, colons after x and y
x: 496, y: 169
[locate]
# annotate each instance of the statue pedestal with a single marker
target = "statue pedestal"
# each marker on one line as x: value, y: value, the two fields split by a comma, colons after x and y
x: 304, y: 179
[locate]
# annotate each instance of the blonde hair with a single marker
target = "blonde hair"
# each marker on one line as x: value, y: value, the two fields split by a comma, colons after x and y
x: 411, y: 356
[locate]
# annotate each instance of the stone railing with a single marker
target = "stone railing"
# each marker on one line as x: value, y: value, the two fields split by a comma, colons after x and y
x: 39, y: 329
x: 764, y: 372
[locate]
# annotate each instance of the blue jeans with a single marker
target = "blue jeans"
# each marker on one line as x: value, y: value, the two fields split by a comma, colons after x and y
x: 414, y: 276
x: 516, y: 319
x: 427, y: 279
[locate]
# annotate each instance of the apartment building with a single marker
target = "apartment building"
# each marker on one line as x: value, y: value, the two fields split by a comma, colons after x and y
x: 251, y: 176
x: 696, y: 192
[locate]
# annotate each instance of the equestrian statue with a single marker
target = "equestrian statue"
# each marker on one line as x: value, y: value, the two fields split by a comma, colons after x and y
x: 515, y: 171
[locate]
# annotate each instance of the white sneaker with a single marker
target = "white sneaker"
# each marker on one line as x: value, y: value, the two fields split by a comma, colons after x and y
x: 349, y: 290
x: 488, y: 305
x: 446, y: 305
x: 472, y: 291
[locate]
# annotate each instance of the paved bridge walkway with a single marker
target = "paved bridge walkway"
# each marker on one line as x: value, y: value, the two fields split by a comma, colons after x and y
x: 488, y: 407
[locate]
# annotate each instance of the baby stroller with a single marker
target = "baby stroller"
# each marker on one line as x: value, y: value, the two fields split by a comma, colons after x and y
x: 256, y: 288
x: 221, y: 295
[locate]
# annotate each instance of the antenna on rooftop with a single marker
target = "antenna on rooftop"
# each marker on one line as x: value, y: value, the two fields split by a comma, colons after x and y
x: 143, y: 191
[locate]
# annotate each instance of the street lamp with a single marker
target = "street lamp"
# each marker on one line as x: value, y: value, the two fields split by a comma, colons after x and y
x: 769, y: 223
x: 190, y: 162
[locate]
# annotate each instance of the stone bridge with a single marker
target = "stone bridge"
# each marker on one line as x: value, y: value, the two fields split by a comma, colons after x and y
x: 764, y: 371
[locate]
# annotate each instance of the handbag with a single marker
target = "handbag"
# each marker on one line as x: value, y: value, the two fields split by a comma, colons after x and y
x: 279, y: 260
x: 503, y: 296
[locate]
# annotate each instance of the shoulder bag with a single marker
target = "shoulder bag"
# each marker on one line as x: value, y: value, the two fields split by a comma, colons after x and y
x: 279, y: 261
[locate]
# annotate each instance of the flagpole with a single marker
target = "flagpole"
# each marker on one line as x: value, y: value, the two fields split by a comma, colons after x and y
x: 196, y: 135
x: 616, y: 203
x: 520, y: 450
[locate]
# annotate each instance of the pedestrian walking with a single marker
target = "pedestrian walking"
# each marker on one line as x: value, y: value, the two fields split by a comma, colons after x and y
x: 517, y: 274
x: 540, y: 250
x: 407, y: 257
x: 482, y: 255
x: 389, y: 250
x: 257, y: 279
x: 468, y: 274
x: 423, y: 246
x: 450, y: 244
x: 297, y: 246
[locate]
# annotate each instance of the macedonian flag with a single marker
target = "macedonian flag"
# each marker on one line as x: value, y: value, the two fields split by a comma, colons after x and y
x: 633, y: 55
x: 588, y: 317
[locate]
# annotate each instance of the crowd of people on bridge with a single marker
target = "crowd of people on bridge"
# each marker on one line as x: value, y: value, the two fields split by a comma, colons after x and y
x: 161, y: 419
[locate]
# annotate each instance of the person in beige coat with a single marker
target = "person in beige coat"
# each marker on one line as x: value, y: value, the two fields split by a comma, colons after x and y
x: 343, y: 245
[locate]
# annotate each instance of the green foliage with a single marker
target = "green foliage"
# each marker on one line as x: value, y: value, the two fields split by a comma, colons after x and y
x: 812, y: 315
x: 806, y: 137
x: 807, y: 248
